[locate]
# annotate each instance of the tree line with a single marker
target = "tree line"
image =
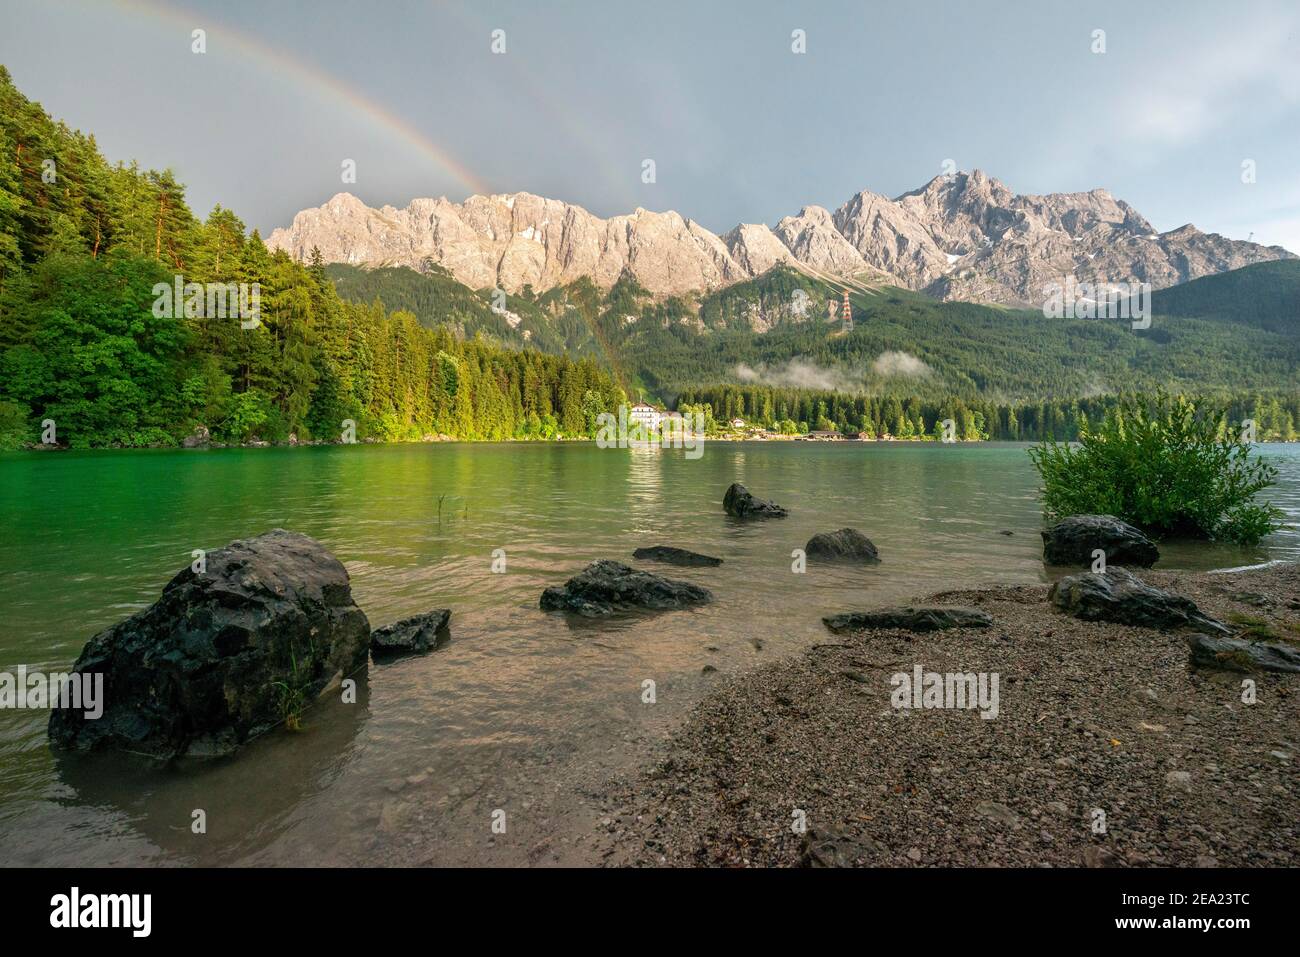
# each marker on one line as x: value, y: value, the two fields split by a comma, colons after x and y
x: 91, y: 353
x: 793, y: 411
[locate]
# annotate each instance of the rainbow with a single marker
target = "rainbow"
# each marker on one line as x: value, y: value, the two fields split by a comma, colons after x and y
x: 314, y: 79
x: 325, y: 85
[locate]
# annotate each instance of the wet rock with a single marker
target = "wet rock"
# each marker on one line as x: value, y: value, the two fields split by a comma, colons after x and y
x: 845, y: 545
x: 911, y: 618
x: 1072, y: 541
x: 1120, y: 596
x: 605, y: 587
x: 740, y: 503
x: 676, y: 556
x: 1238, y: 654
x: 224, y: 654
x: 410, y: 636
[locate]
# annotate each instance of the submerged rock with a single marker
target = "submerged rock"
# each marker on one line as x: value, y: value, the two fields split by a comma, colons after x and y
x: 1072, y: 541
x: 923, y: 618
x: 224, y: 654
x: 1238, y: 654
x: 676, y: 556
x: 410, y: 636
x: 845, y: 545
x: 1121, y: 597
x: 740, y: 503
x: 605, y: 587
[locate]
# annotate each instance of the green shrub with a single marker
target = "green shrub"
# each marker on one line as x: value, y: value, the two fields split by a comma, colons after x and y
x: 1167, y: 465
x: 15, y: 430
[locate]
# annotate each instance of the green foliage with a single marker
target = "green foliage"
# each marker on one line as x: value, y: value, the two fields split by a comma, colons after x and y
x: 1166, y: 465
x: 1266, y: 295
x: 973, y: 418
x: 662, y: 348
x: 90, y: 353
x: 13, y: 426
x: 292, y: 694
x: 81, y: 341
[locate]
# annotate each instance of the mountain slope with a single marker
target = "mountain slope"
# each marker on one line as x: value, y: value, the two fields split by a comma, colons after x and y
x: 784, y: 328
x: 1266, y: 295
x: 964, y: 236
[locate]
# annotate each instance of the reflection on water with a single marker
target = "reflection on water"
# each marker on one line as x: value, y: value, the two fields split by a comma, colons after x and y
x: 519, y: 699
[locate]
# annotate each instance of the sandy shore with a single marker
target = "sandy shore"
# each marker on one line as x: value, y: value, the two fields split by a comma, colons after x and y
x: 1108, y: 749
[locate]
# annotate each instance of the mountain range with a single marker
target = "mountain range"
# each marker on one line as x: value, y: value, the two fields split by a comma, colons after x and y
x: 1229, y: 332
x: 964, y: 236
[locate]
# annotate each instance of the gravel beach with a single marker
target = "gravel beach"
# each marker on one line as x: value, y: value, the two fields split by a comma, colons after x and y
x: 1108, y: 748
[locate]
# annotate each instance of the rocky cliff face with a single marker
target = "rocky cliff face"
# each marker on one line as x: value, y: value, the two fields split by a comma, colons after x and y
x: 516, y: 240
x: 964, y: 236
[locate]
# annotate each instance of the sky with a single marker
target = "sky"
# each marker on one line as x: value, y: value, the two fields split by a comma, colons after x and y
x: 741, y: 128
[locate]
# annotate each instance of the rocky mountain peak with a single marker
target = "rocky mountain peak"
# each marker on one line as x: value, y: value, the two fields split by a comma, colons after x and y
x: 965, y: 235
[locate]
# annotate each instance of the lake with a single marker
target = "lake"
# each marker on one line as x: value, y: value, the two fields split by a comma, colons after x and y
x: 522, y: 710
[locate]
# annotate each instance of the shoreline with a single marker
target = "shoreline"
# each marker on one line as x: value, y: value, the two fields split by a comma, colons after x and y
x: 216, y: 446
x: 448, y: 440
x: 1094, y: 717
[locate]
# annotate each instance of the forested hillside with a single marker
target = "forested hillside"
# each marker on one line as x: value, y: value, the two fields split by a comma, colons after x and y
x: 84, y: 246
x: 776, y: 330
x: 85, y: 343
x: 1265, y: 295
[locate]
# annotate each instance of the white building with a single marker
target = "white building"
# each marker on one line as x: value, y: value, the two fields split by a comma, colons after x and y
x: 647, y: 415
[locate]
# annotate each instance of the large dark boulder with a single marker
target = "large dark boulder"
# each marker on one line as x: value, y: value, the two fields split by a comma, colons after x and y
x: 1238, y: 654
x: 911, y: 618
x: 605, y: 587
x: 268, y: 624
x: 1120, y: 596
x: 410, y: 636
x: 845, y: 545
x: 1072, y: 541
x: 676, y: 556
x: 740, y: 504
